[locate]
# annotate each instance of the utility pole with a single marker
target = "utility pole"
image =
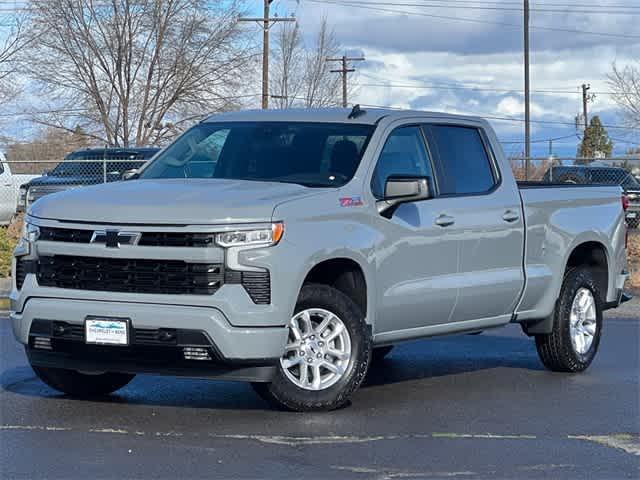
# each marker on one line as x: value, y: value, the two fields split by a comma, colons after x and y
x: 585, y: 101
x: 527, y: 93
x: 345, y: 70
x: 266, y: 22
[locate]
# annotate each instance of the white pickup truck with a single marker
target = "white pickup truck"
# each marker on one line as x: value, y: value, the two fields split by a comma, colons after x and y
x: 9, y: 187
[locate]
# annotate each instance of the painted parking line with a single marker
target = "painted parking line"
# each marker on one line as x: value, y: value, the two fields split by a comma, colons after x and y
x: 627, y: 442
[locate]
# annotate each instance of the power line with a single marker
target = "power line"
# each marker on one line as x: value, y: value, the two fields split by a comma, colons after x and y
x: 483, y: 89
x: 345, y: 71
x: 511, y: 119
x: 266, y: 22
x: 464, y: 5
x: 472, y: 20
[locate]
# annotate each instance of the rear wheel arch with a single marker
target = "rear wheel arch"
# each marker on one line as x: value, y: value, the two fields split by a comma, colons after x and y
x: 593, y: 255
x: 590, y: 254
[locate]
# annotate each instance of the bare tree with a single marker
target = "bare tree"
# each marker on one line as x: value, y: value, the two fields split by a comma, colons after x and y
x: 287, y: 75
x: 136, y: 71
x: 10, y: 47
x: 301, y: 74
x: 321, y: 86
x: 625, y: 83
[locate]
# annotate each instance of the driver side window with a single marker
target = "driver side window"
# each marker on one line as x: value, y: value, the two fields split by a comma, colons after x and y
x: 404, y: 154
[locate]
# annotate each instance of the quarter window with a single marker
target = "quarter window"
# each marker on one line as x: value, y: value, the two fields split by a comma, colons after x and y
x: 404, y: 154
x: 463, y: 164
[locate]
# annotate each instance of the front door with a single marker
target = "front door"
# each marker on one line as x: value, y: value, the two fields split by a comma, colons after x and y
x: 417, y: 256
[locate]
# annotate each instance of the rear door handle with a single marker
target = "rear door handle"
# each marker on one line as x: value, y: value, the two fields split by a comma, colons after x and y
x: 445, y: 221
x: 510, y: 216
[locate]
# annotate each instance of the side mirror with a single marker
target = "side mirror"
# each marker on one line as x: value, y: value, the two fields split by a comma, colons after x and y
x: 130, y: 174
x: 45, y: 173
x: 399, y: 189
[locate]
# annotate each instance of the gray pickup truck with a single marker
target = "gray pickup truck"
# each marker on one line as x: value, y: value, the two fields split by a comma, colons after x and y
x: 294, y: 248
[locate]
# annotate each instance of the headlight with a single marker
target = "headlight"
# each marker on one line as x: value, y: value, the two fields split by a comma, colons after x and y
x: 22, y: 199
x: 263, y: 237
x: 30, y: 232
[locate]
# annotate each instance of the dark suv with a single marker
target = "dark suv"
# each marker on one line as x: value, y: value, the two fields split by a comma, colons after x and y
x: 604, y: 175
x: 85, y: 167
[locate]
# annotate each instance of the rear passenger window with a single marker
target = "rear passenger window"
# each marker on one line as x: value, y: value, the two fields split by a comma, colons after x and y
x: 404, y: 154
x: 463, y: 164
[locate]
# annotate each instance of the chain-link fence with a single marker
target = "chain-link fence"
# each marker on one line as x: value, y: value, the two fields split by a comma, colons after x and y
x: 22, y: 182
x: 577, y: 170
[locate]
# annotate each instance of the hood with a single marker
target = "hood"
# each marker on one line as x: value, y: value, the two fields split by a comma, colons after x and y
x: 174, y: 201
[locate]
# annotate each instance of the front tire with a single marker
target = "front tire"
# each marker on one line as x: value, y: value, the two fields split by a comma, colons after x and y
x: 327, y: 353
x: 577, y: 325
x: 79, y: 384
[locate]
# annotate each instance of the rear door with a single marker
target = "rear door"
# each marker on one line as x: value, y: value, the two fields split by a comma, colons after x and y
x: 486, y: 218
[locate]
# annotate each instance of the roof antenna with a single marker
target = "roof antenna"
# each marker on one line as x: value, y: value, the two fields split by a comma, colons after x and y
x: 357, y: 112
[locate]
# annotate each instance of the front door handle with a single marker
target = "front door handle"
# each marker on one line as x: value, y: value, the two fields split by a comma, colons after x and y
x: 445, y: 221
x: 511, y: 216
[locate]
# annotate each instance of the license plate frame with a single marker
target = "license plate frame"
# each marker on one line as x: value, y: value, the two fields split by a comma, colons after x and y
x: 110, y: 331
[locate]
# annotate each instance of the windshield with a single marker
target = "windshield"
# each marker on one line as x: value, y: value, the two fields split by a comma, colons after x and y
x: 310, y: 154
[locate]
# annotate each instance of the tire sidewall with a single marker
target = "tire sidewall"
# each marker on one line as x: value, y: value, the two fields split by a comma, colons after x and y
x: 290, y: 395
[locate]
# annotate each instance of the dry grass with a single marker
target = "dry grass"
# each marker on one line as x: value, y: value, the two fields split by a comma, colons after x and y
x: 633, y: 253
x: 8, y: 239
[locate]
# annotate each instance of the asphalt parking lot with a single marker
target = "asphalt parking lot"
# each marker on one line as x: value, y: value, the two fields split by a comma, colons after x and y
x: 458, y: 407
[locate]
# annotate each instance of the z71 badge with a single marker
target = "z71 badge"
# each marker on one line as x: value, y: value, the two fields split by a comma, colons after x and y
x: 351, y: 202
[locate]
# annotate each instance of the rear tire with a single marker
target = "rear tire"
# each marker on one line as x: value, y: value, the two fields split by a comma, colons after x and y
x: 79, y: 384
x: 321, y: 314
x: 577, y: 325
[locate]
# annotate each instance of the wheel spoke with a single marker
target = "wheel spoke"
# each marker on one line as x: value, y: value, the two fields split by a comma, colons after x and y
x: 338, y: 354
x: 292, y: 346
x: 336, y: 331
x: 306, y: 321
x: 323, y: 325
x: 589, y: 328
x: 290, y: 362
x: 295, y: 330
x: 333, y: 368
x: 316, y: 377
x: 304, y: 373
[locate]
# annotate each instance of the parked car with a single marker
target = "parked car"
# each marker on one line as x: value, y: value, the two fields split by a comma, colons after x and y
x: 288, y: 248
x: 603, y: 175
x: 9, y: 186
x: 85, y: 167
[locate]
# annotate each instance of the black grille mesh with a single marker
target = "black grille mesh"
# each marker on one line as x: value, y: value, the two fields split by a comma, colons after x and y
x: 126, y: 275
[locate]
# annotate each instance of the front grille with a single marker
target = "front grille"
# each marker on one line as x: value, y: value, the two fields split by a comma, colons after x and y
x: 147, y: 239
x: 126, y: 275
x: 69, y: 235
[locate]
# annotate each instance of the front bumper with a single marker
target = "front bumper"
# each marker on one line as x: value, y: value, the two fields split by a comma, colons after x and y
x: 232, y: 347
x: 156, y: 351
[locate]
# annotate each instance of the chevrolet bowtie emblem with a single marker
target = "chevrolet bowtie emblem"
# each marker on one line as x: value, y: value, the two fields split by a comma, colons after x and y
x: 115, y: 238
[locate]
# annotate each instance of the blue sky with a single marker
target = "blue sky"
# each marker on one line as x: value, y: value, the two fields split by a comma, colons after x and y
x: 417, y: 59
x: 404, y: 47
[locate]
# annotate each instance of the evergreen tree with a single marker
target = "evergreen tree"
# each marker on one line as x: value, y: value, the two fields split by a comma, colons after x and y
x: 595, y: 142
